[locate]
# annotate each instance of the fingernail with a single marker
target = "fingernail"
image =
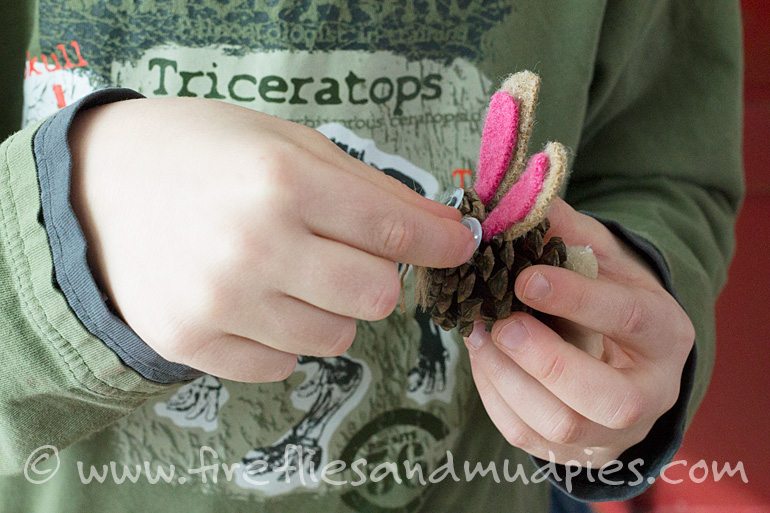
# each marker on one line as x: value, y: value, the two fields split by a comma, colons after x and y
x: 537, y: 287
x: 513, y: 334
x: 478, y: 336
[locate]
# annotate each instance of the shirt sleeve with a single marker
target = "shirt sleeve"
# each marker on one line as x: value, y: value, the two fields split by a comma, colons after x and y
x: 15, y: 27
x: 660, y: 164
x: 69, y: 247
x: 59, y: 380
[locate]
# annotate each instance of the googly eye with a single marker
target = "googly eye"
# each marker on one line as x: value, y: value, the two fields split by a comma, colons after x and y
x: 474, y: 226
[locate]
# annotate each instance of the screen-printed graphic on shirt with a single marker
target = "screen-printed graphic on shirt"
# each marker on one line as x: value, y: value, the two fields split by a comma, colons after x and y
x: 393, y: 84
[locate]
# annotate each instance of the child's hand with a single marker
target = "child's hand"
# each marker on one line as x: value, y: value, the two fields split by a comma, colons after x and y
x: 232, y: 241
x: 544, y: 393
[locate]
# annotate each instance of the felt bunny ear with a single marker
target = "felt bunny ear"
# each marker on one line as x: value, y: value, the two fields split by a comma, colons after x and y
x: 516, y: 196
x: 526, y: 203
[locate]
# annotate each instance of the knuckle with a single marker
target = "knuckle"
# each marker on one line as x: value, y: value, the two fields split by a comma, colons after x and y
x: 277, y: 159
x: 308, y: 133
x: 238, y: 245
x: 280, y: 372
x: 275, y: 171
x: 495, y: 369
x: 219, y: 290
x: 382, y: 298
x: 343, y: 340
x: 670, y: 397
x: 686, y: 331
x: 179, y: 347
x: 552, y: 370
x: 397, y: 235
x: 518, y: 436
x: 682, y: 331
x: 498, y: 372
x: 567, y: 429
x: 214, y: 298
x: 171, y: 349
x: 627, y: 410
x: 635, y: 318
x: 248, y: 247
x: 580, y: 304
x: 455, y: 252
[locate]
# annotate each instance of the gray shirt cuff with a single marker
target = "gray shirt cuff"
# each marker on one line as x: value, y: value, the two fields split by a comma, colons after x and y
x: 68, y: 246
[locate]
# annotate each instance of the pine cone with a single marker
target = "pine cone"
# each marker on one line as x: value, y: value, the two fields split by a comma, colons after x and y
x: 510, y: 197
x: 483, y: 287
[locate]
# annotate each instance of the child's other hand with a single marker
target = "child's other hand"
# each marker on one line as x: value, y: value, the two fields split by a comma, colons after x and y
x: 545, y: 394
x: 232, y: 241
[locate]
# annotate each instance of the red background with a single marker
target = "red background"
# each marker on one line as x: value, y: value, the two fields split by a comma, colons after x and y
x: 733, y: 424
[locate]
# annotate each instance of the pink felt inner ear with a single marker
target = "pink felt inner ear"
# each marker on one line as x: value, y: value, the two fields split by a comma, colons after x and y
x: 498, y: 140
x: 519, y: 200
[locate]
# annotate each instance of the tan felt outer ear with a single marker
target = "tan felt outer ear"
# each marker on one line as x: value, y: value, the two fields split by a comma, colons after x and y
x: 554, y: 177
x: 523, y: 87
x: 582, y: 260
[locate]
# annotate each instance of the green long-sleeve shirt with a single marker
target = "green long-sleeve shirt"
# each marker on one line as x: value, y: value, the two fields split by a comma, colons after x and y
x: 646, y: 94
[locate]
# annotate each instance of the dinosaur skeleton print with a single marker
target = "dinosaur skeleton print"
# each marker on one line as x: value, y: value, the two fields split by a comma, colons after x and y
x: 332, y: 387
x: 196, y: 404
x: 404, y: 387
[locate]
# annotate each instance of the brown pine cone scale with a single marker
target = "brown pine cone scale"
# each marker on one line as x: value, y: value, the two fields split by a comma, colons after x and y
x: 483, y: 287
